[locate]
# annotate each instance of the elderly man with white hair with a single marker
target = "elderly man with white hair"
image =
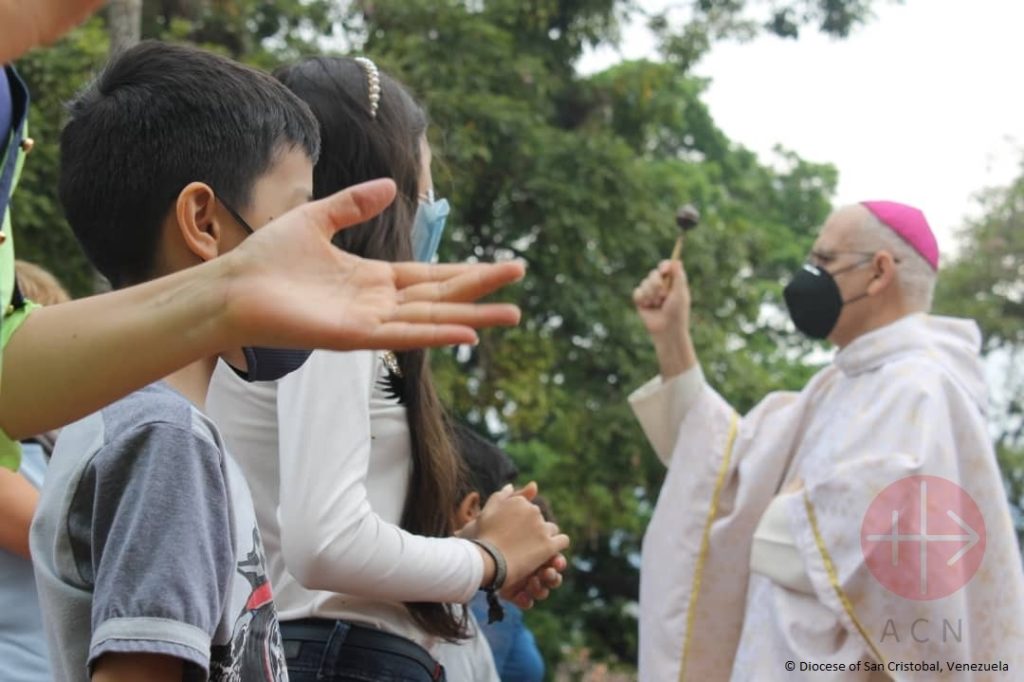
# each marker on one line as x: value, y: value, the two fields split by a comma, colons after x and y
x: 856, y: 530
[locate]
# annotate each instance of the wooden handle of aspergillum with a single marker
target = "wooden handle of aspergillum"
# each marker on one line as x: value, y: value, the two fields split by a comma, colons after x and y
x: 677, y: 255
x: 677, y: 250
x: 687, y: 218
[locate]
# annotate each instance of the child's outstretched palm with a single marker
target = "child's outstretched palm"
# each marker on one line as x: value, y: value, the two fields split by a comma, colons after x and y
x: 298, y: 290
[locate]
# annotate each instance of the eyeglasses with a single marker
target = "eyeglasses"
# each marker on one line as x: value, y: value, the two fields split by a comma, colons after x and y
x: 823, y: 258
x: 234, y: 214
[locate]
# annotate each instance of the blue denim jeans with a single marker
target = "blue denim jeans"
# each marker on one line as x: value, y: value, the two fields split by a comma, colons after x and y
x: 336, y: 651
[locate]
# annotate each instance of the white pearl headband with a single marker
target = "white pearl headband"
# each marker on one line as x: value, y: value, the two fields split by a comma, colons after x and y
x: 373, y: 79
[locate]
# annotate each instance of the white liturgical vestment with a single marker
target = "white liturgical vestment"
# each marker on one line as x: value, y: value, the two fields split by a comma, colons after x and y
x: 856, y: 530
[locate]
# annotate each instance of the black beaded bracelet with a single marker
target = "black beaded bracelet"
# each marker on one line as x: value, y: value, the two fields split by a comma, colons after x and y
x: 495, y: 612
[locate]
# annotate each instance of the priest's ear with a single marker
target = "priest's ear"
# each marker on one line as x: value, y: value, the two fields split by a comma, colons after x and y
x: 885, y: 265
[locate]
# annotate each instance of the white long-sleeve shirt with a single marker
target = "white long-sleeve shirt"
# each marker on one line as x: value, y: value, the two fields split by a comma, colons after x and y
x: 327, y: 455
x: 470, y: 660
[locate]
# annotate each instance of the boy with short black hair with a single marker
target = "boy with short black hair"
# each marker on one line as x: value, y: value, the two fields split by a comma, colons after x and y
x: 148, y: 560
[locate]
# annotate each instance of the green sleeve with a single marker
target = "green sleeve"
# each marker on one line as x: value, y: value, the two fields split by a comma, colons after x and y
x: 10, y: 451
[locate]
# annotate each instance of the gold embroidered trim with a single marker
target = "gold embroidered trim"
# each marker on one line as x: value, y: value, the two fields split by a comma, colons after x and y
x: 705, y: 541
x: 833, y: 579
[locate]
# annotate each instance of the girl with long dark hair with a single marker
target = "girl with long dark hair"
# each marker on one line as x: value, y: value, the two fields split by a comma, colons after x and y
x: 350, y: 459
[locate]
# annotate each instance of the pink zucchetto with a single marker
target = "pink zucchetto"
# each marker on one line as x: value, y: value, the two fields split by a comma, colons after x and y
x: 910, y: 224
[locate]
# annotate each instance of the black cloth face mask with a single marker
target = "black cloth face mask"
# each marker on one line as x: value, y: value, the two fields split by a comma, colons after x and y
x: 266, y: 364
x: 270, y: 364
x: 814, y: 301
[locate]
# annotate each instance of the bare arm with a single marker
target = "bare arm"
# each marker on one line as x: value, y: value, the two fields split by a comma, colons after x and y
x: 286, y: 286
x: 23, y: 25
x: 138, y: 668
x: 71, y: 359
x: 342, y: 544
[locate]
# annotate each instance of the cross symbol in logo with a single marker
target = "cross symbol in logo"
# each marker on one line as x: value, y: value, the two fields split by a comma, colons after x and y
x: 944, y: 527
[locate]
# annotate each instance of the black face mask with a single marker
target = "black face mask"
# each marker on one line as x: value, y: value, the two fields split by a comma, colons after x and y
x: 814, y: 301
x: 266, y: 364
x: 270, y: 364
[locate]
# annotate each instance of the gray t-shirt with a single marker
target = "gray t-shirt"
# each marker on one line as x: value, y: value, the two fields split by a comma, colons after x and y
x: 145, y: 541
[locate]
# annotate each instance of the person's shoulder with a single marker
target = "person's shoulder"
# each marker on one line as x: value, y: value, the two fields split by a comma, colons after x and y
x: 922, y: 381
x: 156, y: 417
x: 920, y: 374
x: 156, y: 402
x: 939, y: 359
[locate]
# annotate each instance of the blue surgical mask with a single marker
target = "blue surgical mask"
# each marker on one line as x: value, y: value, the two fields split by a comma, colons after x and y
x: 428, y: 227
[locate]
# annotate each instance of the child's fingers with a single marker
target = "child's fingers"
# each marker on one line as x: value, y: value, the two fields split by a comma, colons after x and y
x: 536, y: 590
x: 559, y: 562
x: 550, y: 578
x: 397, y: 335
x: 529, y: 491
x: 560, y: 542
x: 462, y: 314
x: 523, y: 601
x: 456, y: 284
x: 350, y: 206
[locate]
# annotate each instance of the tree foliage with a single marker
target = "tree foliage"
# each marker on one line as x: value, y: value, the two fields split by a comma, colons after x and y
x: 581, y: 177
x: 986, y: 283
x: 53, y: 76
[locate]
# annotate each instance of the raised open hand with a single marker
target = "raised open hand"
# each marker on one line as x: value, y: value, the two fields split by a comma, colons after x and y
x: 291, y: 287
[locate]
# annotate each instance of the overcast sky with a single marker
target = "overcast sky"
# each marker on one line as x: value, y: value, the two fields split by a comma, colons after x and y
x: 923, y: 105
